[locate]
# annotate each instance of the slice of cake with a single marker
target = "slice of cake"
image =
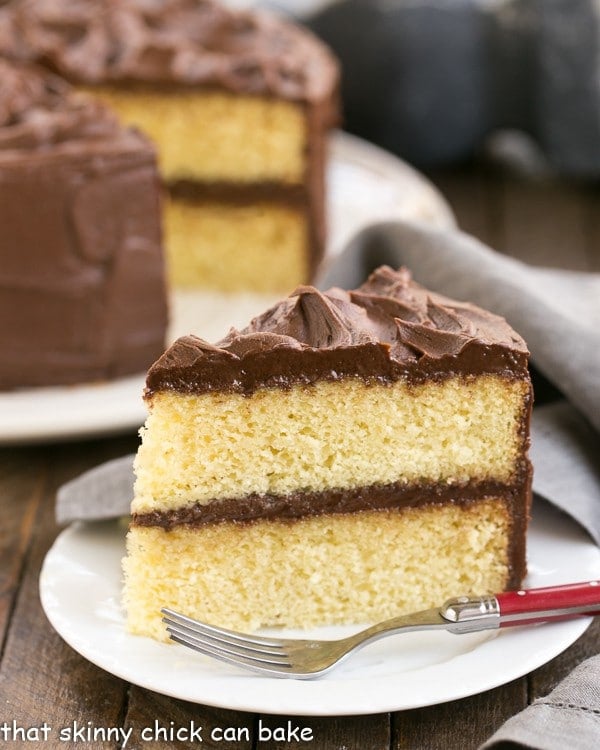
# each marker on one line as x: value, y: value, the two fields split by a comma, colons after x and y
x: 238, y: 105
x: 82, y: 287
x: 347, y: 457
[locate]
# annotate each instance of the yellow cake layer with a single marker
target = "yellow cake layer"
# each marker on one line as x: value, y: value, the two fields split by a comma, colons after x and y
x: 263, y: 247
x: 211, y: 136
x: 199, y: 448
x: 321, y: 569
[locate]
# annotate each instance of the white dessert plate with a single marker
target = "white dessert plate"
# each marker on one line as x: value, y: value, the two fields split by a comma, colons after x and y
x: 80, y: 588
x: 365, y: 185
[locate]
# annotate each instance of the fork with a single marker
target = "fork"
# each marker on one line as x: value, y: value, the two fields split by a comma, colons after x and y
x: 305, y: 659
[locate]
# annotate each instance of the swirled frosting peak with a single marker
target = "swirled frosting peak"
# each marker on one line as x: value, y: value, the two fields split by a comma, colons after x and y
x: 315, y: 320
x: 38, y: 109
x: 189, y: 42
x: 389, y: 329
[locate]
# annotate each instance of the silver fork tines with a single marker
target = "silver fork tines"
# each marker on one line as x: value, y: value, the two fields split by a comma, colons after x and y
x: 255, y: 652
x: 286, y: 657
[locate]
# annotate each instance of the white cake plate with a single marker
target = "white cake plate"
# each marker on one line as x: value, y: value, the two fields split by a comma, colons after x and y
x: 80, y: 587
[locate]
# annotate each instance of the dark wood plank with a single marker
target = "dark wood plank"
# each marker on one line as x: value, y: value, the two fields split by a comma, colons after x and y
x: 41, y: 678
x: 238, y: 730
x: 22, y: 478
x: 593, y: 227
x: 463, y: 724
x: 471, y: 196
x: 545, y: 223
x: 156, y: 721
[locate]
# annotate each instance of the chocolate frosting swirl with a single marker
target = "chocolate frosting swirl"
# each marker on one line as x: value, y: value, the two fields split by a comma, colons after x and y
x: 388, y: 329
x: 188, y: 42
x: 38, y: 109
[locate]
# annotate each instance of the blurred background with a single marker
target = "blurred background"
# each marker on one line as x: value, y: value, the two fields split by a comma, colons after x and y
x: 437, y: 82
x: 496, y: 101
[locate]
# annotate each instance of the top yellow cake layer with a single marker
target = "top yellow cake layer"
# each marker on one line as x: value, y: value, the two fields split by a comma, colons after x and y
x: 328, y: 435
x: 216, y: 137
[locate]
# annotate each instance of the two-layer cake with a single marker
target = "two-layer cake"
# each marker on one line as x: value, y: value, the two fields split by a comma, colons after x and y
x: 346, y: 457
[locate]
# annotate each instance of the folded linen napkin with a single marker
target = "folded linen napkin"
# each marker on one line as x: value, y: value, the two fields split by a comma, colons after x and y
x: 569, y: 717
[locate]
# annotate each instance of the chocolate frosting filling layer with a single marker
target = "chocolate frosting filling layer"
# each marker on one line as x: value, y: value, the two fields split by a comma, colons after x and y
x: 391, y: 497
x: 239, y: 193
x: 187, y: 42
x: 301, y: 504
x: 389, y: 329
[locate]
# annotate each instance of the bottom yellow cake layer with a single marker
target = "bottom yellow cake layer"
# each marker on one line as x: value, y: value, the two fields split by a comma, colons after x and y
x: 318, y: 570
x: 262, y: 247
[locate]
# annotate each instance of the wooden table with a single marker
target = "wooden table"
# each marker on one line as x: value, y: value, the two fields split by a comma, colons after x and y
x: 43, y: 680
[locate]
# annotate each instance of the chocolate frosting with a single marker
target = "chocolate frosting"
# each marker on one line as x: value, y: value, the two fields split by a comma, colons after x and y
x: 188, y: 42
x: 82, y: 287
x: 388, y: 329
x: 38, y: 109
x: 388, y: 498
x: 303, y: 503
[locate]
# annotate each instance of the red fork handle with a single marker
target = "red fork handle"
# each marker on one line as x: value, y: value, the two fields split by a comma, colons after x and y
x: 547, y: 604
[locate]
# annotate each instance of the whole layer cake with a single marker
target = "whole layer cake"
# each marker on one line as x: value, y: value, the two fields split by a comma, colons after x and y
x: 238, y: 105
x: 347, y: 457
x: 82, y: 288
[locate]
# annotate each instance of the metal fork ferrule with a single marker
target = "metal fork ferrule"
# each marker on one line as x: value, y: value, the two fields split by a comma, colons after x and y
x: 472, y: 613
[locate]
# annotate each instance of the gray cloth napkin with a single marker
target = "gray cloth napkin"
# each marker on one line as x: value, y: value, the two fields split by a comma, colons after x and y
x: 104, y: 492
x: 567, y: 718
x: 565, y: 452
